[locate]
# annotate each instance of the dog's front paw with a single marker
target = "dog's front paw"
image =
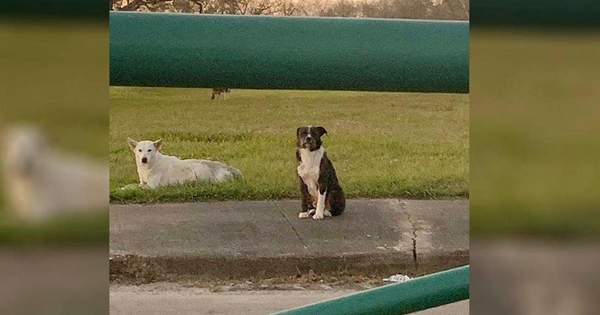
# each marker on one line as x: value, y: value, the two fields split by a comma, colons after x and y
x: 303, y: 215
x: 318, y: 216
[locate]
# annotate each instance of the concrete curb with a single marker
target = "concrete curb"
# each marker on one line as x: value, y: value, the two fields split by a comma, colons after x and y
x: 264, y: 239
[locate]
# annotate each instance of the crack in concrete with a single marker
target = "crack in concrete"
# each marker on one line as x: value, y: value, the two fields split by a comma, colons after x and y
x: 414, y: 235
x: 415, y: 253
x: 293, y: 228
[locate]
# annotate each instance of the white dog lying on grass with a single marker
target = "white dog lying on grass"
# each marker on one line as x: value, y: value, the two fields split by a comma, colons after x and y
x: 156, y: 170
x: 42, y: 183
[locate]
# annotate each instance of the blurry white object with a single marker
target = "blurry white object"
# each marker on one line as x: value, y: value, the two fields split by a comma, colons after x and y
x: 397, y: 278
x: 41, y: 182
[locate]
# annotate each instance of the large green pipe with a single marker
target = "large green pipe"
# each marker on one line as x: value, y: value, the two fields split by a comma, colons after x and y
x: 267, y: 52
x: 555, y: 14
x: 96, y: 10
x: 395, y: 299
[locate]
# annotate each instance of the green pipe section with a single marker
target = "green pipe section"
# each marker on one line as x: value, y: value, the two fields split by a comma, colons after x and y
x: 95, y: 10
x: 395, y: 299
x: 305, y: 53
x: 555, y: 14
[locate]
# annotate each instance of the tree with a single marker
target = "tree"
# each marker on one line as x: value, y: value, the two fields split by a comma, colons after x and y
x: 343, y: 8
x: 313, y: 7
x: 407, y: 9
x: 158, y: 5
x: 287, y: 7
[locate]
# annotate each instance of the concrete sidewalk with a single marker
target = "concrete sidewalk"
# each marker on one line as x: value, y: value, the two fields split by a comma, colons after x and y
x: 266, y: 238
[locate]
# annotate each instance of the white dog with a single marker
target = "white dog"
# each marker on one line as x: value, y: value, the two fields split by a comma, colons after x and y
x: 156, y: 169
x: 42, y: 183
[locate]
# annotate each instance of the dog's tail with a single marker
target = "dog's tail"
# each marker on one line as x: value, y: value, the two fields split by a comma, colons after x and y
x: 337, y: 202
x: 235, y: 172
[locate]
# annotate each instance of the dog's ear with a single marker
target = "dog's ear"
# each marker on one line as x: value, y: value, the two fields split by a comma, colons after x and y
x: 321, y: 131
x: 157, y: 144
x: 132, y: 143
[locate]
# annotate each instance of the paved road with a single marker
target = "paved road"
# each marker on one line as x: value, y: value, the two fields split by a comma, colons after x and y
x: 154, y: 300
x: 54, y: 280
x: 524, y: 276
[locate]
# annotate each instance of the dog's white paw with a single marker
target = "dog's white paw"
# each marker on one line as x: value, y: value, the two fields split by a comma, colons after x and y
x: 318, y: 216
x: 303, y: 215
x: 326, y: 213
x: 312, y: 211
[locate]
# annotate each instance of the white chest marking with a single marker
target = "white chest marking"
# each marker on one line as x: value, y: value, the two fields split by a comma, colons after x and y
x: 309, y: 168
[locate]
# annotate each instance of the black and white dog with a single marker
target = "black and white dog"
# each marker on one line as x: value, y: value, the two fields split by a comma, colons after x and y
x: 218, y: 91
x: 322, y: 194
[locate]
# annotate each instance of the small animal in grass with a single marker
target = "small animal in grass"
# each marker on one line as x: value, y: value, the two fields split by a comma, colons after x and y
x: 156, y: 169
x: 218, y: 92
x: 322, y: 195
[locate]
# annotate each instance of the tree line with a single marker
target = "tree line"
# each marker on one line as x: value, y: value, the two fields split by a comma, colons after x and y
x: 406, y: 9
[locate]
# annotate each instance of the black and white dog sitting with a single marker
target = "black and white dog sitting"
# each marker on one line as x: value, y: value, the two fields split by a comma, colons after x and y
x: 322, y: 194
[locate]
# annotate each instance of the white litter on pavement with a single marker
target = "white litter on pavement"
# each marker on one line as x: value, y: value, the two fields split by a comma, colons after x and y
x: 397, y: 278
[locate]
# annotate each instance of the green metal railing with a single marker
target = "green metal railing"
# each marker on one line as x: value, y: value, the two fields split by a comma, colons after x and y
x: 396, y: 299
x: 267, y: 52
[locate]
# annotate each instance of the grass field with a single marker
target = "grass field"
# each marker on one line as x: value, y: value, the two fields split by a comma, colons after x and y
x: 57, y: 75
x: 63, y: 230
x: 382, y: 144
x: 535, y: 122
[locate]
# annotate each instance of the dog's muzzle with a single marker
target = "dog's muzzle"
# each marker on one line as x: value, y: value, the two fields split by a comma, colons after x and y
x: 144, y: 160
x: 306, y: 142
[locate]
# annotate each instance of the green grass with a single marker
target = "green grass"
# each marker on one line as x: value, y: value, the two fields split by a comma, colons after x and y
x: 382, y: 144
x: 66, y: 230
x: 57, y: 75
x: 535, y: 125
x: 62, y: 88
